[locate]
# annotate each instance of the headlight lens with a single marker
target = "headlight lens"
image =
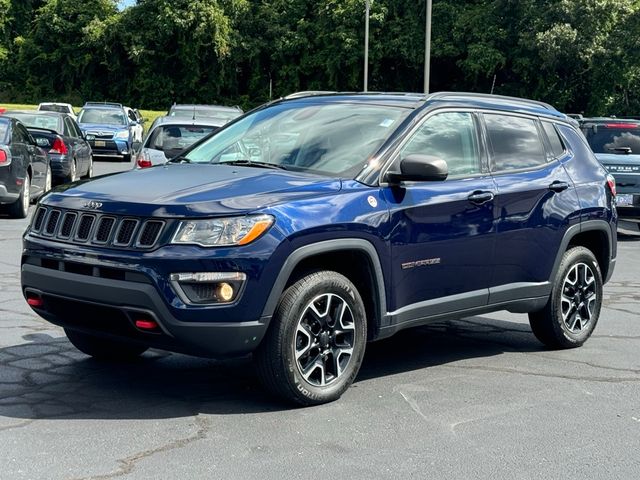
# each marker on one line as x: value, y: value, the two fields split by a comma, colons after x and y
x: 221, y: 232
x: 122, y: 134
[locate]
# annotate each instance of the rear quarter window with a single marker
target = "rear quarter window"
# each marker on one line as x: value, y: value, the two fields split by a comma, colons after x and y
x: 555, y: 143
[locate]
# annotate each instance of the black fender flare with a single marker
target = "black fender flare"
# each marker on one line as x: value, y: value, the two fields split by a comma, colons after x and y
x: 585, y: 226
x: 328, y: 246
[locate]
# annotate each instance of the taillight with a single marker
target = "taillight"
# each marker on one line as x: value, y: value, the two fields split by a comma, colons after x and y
x: 143, y: 160
x: 4, y: 158
x: 59, y: 147
x: 611, y: 182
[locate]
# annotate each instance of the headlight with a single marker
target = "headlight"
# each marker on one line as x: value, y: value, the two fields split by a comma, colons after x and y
x: 123, y: 134
x: 221, y: 232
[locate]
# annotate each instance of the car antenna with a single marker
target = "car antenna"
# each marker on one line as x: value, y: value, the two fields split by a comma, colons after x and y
x: 194, y: 113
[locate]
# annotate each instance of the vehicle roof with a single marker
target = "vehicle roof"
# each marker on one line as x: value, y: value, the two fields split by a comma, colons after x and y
x: 107, y: 105
x: 187, y: 106
x: 418, y: 100
x: 609, y: 120
x: 202, y: 121
x: 55, y: 103
x: 39, y: 113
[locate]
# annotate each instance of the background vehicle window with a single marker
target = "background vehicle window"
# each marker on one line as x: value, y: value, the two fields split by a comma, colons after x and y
x: 102, y: 116
x: 177, y: 137
x: 68, y: 128
x: 132, y: 116
x: 515, y: 142
x: 20, y: 134
x: 450, y: 136
x: 75, y: 129
x: 557, y: 148
x: 3, y: 132
x: 614, y: 138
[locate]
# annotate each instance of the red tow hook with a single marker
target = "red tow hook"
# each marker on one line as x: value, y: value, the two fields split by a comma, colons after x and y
x: 34, y: 300
x: 149, y: 325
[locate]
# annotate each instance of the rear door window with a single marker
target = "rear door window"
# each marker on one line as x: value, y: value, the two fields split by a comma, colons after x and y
x: 514, y: 142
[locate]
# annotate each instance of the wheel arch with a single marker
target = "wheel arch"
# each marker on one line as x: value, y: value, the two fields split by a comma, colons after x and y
x: 356, y: 259
x: 594, y: 235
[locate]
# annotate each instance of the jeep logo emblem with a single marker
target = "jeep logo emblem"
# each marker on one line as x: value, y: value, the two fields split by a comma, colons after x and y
x: 93, y: 205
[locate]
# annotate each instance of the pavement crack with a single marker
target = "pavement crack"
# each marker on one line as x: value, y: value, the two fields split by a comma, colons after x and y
x: 129, y: 463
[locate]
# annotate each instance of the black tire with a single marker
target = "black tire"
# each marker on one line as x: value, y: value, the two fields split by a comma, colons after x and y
x: 20, y: 208
x: 328, y: 375
x: 560, y: 323
x: 104, y: 348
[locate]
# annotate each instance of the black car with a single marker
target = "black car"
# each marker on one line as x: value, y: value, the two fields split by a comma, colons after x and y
x: 59, y: 135
x: 25, y: 173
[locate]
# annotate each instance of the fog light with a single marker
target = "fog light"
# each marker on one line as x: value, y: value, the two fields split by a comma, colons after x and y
x: 208, y: 287
x: 225, y: 292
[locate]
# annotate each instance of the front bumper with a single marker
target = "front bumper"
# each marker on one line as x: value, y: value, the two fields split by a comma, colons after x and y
x: 112, y: 148
x: 109, y: 308
x: 101, y: 291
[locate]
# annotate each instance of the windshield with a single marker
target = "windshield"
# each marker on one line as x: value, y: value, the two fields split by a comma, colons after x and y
x: 102, y: 116
x: 223, y: 116
x: 616, y: 138
x: 34, y: 120
x: 175, y: 138
x: 334, y: 139
x: 54, y: 108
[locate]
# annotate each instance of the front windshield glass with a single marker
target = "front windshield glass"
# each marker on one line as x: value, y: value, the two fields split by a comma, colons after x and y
x: 334, y: 139
x: 170, y: 138
x: 102, y: 116
x: 37, y: 121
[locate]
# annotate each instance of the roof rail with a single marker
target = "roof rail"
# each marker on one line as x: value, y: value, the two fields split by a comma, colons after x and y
x: 102, y: 104
x: 308, y: 93
x: 490, y: 96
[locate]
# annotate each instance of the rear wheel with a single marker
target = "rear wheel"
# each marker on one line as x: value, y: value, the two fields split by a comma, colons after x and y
x: 316, y: 341
x: 573, y: 309
x: 103, y: 348
x: 73, y: 171
x: 20, y: 208
x: 89, y: 173
x: 48, y: 181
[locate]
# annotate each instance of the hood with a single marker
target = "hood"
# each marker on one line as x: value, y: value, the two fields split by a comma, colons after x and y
x: 177, y: 190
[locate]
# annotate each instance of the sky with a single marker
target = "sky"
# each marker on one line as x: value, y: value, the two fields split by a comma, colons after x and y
x: 125, y: 3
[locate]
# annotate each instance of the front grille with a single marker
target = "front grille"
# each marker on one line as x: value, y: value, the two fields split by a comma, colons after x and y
x: 109, y: 230
x: 84, y: 229
x: 37, y: 223
x: 67, y: 225
x: 150, y: 232
x: 52, y: 222
x: 105, y: 225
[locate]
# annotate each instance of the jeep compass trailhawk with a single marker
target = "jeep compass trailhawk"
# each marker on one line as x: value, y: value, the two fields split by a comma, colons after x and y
x: 312, y: 225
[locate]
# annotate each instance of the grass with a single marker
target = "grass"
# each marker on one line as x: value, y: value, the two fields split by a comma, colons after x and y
x: 148, y: 115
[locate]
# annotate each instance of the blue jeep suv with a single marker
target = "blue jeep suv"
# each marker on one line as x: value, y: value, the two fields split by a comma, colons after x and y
x: 312, y: 225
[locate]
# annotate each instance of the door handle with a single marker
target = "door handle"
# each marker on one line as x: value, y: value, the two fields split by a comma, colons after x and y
x: 481, y: 197
x: 558, y: 186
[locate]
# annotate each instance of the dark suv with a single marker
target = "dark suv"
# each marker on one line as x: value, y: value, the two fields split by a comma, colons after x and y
x: 616, y: 143
x: 312, y: 225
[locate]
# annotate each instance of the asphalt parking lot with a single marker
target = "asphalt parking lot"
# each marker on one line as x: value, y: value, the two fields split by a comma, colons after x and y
x: 474, y: 398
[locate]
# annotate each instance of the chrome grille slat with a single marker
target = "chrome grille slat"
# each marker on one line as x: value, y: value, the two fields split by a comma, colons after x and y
x: 108, y: 230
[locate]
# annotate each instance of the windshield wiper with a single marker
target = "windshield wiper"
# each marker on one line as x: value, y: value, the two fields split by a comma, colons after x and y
x: 252, y: 163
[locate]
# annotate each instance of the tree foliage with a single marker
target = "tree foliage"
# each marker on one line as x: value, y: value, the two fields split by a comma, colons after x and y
x: 581, y: 55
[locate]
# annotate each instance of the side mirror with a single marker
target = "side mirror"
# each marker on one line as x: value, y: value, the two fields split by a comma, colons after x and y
x: 419, y: 168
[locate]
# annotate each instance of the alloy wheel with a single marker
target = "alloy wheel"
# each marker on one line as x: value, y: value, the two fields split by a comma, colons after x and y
x: 26, y: 197
x: 47, y: 181
x: 579, y: 297
x: 324, y: 339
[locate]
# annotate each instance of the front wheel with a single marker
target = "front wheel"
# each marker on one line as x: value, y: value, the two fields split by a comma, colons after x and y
x: 316, y: 341
x: 573, y: 309
x: 103, y: 348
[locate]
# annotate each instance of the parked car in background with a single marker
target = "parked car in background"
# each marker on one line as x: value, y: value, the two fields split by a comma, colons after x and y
x: 169, y: 136
x: 25, y: 173
x: 220, y: 112
x: 58, y: 107
x: 616, y: 143
x: 59, y: 135
x: 356, y: 216
x: 111, y: 129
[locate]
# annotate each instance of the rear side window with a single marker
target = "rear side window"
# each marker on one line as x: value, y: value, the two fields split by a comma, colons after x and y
x: 514, y: 142
x: 557, y: 148
x: 614, y: 137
